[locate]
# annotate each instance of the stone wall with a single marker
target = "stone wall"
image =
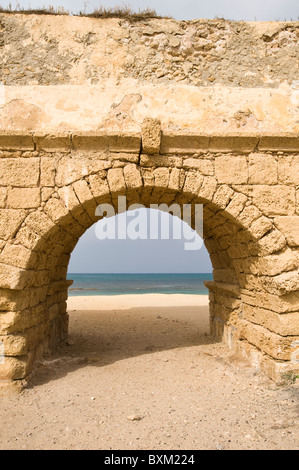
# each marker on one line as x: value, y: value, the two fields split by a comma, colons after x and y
x: 74, y: 50
x: 160, y: 112
x: 48, y: 200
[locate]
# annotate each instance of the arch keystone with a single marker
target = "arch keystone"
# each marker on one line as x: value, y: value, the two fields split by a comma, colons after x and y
x: 151, y: 135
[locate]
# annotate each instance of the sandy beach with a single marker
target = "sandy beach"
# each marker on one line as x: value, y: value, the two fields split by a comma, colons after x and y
x: 142, y: 372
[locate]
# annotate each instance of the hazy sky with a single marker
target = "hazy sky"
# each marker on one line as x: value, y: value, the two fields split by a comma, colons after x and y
x: 260, y: 10
x: 93, y: 255
x: 140, y: 255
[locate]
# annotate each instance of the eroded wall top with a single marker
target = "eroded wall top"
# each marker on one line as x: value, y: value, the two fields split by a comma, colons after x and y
x: 235, y: 75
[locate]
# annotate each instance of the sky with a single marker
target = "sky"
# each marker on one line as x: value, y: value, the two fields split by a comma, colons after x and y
x: 108, y: 256
x: 162, y: 255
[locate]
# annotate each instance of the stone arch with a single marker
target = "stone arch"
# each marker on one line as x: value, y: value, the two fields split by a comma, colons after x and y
x: 248, y: 252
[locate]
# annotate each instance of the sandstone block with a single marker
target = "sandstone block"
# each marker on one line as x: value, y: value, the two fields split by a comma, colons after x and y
x: 18, y: 256
x: 274, y: 200
x: 193, y: 182
x: 236, y: 205
x: 16, y: 141
x: 161, y: 177
x: 55, y: 210
x: 288, y: 169
x: 260, y: 227
x: 282, y: 284
x: 68, y: 197
x: 71, y: 169
x: 263, y: 169
x: 10, y: 222
x: 14, y: 368
x: 14, y: 345
x: 272, y: 242
x: 100, y: 188
x: 128, y: 142
x: 53, y: 143
x: 19, y: 172
x: 249, y: 215
x: 276, y: 346
x: 23, y: 198
x: 279, y: 304
x: 274, y: 264
x: 85, y: 196
x: 12, y: 277
x: 289, y: 226
x: 229, y: 142
x: 223, y: 196
x: 182, y: 143
x: 175, y: 179
x: 48, y: 171
x: 151, y: 135
x: 153, y: 161
x: 230, y: 169
x: 208, y: 188
x: 40, y: 223
x: 283, y: 142
x: 203, y: 165
x: 286, y: 324
x: 132, y: 177
x: 3, y: 195
x: 116, y: 181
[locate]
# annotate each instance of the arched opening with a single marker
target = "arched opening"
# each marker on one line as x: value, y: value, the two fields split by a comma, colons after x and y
x: 129, y: 294
x: 240, y: 240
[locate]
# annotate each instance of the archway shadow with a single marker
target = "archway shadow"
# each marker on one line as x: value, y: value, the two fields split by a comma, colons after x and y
x: 100, y: 338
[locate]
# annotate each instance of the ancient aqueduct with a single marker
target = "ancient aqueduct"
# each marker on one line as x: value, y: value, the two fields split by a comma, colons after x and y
x: 159, y: 111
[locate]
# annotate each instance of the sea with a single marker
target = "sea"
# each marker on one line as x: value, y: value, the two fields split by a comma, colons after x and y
x: 121, y: 284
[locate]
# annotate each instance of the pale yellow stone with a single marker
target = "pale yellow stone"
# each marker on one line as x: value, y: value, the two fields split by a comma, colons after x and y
x: 288, y: 169
x: 231, y: 168
x: 20, y: 172
x: 116, y: 181
x: 262, y: 169
x: 274, y: 345
x: 193, y: 182
x: 274, y: 200
x: 286, y: 324
x: 3, y: 194
x: 223, y: 196
x: 23, y: 198
x: 204, y: 166
x: 151, y: 135
x: 289, y: 226
x: 10, y: 222
x: 132, y: 177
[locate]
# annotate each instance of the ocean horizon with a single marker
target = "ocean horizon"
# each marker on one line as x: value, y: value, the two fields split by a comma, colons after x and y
x: 138, y: 283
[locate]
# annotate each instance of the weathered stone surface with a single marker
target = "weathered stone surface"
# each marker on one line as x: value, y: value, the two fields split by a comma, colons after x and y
x: 151, y: 135
x: 228, y: 169
x: 159, y: 128
x: 10, y: 222
x: 20, y: 172
x: 262, y: 169
x: 274, y: 345
x: 282, y: 324
x: 116, y: 181
x: 70, y: 170
x: 288, y: 169
x: 23, y: 198
x: 274, y: 200
x: 283, y: 283
x: 3, y: 195
x: 290, y: 227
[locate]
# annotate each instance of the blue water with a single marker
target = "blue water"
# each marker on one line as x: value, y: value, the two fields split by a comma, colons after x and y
x: 117, y: 284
